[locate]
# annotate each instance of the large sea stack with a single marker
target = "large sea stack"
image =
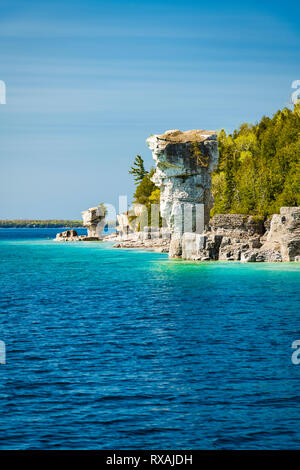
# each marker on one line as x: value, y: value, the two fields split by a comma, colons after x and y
x: 184, y: 163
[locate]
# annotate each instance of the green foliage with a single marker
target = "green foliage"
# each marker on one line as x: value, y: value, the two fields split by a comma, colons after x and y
x: 258, y: 218
x: 154, y: 197
x: 144, y: 189
x: 147, y: 194
x: 259, y: 166
x: 201, y: 159
x: 138, y: 169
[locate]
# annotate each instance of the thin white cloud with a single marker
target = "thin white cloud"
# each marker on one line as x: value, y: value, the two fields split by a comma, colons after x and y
x: 207, y: 27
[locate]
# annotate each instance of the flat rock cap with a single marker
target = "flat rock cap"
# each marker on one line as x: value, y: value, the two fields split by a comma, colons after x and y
x: 175, y: 136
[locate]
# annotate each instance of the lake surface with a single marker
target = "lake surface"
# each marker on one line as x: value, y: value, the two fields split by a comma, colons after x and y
x: 122, y: 349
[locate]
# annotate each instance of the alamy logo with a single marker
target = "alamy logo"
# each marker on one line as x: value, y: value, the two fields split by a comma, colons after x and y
x: 2, y: 92
x: 296, y: 353
x: 2, y: 353
x: 296, y: 94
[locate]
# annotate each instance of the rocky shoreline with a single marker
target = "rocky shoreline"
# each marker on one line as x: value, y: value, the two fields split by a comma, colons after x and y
x: 230, y: 237
x: 234, y: 237
x: 93, y: 221
x: 72, y: 236
x: 184, y: 162
x: 159, y: 245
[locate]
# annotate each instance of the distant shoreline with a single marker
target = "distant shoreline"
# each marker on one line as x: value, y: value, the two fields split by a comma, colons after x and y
x: 42, y: 226
x: 43, y: 223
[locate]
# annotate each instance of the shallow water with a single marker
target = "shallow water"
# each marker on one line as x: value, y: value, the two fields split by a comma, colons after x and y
x: 123, y: 349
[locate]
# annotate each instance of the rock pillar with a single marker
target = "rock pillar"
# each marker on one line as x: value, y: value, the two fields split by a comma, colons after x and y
x: 184, y: 163
x: 94, y: 221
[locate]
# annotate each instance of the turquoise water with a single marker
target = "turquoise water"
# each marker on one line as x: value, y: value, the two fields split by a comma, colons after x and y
x: 121, y: 349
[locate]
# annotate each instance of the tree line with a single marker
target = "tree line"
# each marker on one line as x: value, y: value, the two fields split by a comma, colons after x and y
x: 259, y: 166
x: 24, y: 223
x: 258, y: 169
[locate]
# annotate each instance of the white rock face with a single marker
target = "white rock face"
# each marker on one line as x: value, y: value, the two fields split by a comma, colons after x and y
x: 237, y: 237
x: 132, y: 221
x: 123, y: 226
x: 284, y: 234
x: 94, y: 221
x: 184, y: 163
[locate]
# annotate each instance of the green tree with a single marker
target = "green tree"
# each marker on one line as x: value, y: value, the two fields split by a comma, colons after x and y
x: 138, y: 169
x: 144, y: 189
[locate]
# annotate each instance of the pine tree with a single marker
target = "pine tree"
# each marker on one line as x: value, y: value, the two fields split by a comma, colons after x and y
x: 138, y: 169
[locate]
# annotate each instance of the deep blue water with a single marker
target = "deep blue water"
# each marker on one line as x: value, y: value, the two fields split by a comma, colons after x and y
x: 120, y: 349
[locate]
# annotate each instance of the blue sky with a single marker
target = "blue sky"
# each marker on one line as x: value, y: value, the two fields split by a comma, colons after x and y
x: 88, y: 81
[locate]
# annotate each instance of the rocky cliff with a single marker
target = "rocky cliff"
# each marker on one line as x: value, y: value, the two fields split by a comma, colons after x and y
x: 184, y: 162
x: 284, y: 234
x: 235, y: 237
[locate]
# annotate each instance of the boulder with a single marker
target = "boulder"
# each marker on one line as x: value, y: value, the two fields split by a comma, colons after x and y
x: 67, y: 235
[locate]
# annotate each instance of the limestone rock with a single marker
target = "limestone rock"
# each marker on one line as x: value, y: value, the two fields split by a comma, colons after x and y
x: 243, y: 237
x: 270, y: 256
x: 175, y: 246
x: 111, y: 237
x: 94, y: 221
x: 284, y: 234
x: 72, y: 236
x: 197, y: 246
x: 237, y: 225
x: 133, y: 220
x: 159, y: 244
x: 151, y: 238
x: 184, y: 162
x: 67, y: 235
x: 230, y: 237
x: 249, y: 256
x: 227, y: 237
